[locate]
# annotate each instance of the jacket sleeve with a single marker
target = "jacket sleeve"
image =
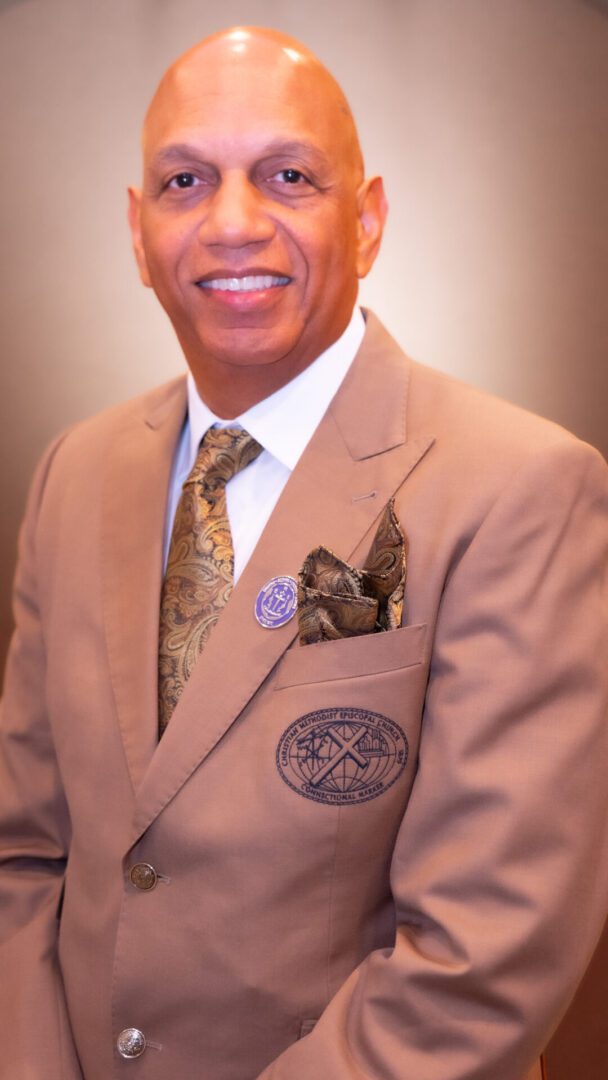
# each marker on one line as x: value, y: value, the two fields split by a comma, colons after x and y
x: 34, y: 842
x: 500, y: 869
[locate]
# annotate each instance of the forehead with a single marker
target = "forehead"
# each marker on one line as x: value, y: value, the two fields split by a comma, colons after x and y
x: 236, y: 103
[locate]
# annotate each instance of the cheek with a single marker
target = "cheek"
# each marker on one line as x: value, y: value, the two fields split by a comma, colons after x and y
x: 165, y: 244
x: 332, y: 262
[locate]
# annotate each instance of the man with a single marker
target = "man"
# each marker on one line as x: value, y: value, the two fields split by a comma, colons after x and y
x: 377, y: 855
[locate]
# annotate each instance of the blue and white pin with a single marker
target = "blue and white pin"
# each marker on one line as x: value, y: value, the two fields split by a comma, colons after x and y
x: 277, y: 602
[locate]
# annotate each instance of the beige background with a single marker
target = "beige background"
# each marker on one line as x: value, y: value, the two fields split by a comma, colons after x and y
x: 489, y: 121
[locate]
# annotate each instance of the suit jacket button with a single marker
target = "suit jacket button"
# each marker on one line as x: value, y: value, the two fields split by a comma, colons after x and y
x: 143, y: 876
x: 131, y: 1043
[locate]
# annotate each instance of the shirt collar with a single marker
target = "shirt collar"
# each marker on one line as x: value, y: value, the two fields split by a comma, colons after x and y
x: 284, y: 422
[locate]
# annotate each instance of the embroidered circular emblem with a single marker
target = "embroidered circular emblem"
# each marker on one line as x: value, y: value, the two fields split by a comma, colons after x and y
x: 342, y: 756
x: 276, y: 602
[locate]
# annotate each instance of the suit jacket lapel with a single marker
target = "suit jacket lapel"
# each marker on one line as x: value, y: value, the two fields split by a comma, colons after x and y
x: 355, y: 461
x: 134, y: 505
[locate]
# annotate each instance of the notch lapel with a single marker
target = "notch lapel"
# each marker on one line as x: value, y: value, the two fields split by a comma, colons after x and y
x: 355, y: 461
x: 135, y: 485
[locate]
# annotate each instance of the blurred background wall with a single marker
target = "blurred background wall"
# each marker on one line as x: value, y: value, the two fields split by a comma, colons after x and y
x: 489, y: 121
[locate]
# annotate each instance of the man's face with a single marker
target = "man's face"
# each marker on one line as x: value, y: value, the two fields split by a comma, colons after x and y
x: 251, y: 224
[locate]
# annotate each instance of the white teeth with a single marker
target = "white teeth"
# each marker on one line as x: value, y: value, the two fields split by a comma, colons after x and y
x: 245, y: 284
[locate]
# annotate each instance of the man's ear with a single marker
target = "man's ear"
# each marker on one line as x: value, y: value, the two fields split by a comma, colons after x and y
x: 372, y: 208
x: 134, y: 215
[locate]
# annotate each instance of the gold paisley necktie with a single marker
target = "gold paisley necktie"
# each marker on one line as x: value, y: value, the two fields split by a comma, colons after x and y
x: 200, y: 568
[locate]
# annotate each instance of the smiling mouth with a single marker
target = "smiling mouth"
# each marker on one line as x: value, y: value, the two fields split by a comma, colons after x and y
x: 250, y: 283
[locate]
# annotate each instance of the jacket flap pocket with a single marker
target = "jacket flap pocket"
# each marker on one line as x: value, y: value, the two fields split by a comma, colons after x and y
x: 352, y: 657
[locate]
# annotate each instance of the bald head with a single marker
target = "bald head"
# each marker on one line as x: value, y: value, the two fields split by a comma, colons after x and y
x: 222, y: 63
x: 254, y: 221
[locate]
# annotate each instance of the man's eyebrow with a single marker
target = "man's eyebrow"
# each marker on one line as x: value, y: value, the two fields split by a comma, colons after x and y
x: 167, y: 155
x: 177, y: 151
x: 293, y: 146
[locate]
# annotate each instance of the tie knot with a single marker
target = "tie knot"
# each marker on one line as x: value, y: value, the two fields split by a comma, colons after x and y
x: 222, y: 454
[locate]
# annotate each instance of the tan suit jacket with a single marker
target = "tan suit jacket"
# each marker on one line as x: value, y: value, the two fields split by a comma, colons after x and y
x: 434, y: 929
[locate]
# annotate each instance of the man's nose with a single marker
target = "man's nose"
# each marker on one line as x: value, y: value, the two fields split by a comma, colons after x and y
x: 236, y: 214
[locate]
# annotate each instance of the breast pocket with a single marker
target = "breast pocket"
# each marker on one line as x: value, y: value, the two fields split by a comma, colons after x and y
x: 353, y: 658
x: 351, y: 714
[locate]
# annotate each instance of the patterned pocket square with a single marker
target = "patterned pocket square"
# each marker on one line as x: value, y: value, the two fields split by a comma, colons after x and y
x: 336, y: 600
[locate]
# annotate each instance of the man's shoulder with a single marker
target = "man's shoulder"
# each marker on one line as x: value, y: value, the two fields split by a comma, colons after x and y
x: 151, y: 408
x: 467, y: 420
x: 480, y: 443
x: 472, y: 415
x: 79, y: 453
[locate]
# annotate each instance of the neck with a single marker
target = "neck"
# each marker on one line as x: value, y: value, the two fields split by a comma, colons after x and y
x: 230, y: 389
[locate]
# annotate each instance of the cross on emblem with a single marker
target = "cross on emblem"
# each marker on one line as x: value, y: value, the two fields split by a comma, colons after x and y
x: 277, y: 600
x: 347, y: 748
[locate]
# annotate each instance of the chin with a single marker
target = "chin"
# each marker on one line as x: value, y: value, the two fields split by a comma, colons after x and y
x: 245, y: 349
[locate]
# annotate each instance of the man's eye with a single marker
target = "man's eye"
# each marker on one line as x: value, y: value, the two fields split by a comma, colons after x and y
x: 183, y: 180
x: 290, y: 176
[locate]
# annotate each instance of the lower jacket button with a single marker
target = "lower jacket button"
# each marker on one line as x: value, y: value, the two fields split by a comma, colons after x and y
x: 131, y: 1043
x: 143, y: 876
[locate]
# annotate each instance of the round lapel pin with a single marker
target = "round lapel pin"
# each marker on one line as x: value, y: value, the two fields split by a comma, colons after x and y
x: 277, y: 602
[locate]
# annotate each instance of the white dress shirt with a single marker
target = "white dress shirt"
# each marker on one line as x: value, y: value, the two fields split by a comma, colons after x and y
x: 283, y: 424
